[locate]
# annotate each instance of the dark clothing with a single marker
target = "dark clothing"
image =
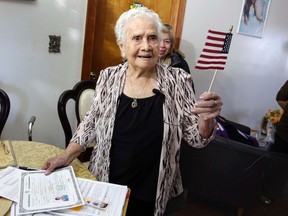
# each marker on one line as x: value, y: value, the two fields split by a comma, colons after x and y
x: 140, y: 208
x: 134, y: 152
x: 280, y: 145
x: 178, y: 61
x: 282, y: 126
x: 277, y: 172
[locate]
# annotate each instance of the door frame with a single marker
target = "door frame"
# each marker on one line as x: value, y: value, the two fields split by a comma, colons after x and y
x: 89, y: 39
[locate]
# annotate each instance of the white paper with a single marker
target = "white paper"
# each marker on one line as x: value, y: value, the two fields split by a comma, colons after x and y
x: 40, y: 193
x: 10, y: 183
x: 112, y: 194
x: 13, y: 212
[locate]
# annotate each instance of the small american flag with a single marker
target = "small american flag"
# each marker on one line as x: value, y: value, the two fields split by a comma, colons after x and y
x: 215, y: 52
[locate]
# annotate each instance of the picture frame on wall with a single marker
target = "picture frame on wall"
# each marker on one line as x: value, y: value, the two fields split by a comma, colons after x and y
x: 253, y: 17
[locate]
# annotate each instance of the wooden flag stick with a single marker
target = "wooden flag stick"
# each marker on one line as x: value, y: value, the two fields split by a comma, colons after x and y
x: 211, y: 84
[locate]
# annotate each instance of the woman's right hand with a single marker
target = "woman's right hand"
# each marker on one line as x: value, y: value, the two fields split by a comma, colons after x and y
x: 72, y: 151
x: 55, y: 162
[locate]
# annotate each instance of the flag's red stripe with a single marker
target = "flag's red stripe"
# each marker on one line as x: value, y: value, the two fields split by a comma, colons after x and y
x: 215, y: 38
x: 213, y: 57
x: 217, y: 32
x: 213, y: 45
x: 211, y: 62
x: 211, y: 51
x: 211, y: 67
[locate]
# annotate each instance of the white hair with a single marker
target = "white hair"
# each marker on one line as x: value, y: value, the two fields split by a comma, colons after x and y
x: 122, y: 22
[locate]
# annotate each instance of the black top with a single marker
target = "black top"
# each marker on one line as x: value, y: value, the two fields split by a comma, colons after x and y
x: 136, y: 145
x: 179, y: 62
x: 282, y: 126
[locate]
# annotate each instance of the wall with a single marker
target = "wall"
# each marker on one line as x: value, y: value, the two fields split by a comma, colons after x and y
x: 256, y: 67
x: 33, y: 77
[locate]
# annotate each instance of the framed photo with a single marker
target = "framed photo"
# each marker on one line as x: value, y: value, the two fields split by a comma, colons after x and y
x: 253, y: 17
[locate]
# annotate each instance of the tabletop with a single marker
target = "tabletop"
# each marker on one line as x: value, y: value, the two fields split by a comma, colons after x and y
x: 34, y: 154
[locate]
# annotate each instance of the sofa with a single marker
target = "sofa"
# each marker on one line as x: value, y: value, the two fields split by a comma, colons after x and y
x: 226, y: 171
x: 275, y: 176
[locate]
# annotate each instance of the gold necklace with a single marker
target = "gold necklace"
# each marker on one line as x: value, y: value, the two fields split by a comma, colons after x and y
x: 134, y: 103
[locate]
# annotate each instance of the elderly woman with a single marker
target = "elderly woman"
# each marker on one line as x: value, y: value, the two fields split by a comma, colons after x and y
x: 141, y: 111
x: 167, y: 52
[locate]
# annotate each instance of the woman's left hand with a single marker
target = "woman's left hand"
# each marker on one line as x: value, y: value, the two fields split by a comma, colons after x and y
x: 208, y: 106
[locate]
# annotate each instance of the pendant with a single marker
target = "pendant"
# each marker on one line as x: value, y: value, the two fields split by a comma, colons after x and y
x: 134, y: 103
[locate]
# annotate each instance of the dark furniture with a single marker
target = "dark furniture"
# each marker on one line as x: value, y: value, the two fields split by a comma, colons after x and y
x: 275, y: 176
x: 4, y: 109
x: 226, y: 171
x: 82, y: 94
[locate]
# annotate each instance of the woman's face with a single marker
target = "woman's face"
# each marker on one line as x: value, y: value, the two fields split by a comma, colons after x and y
x: 165, y: 45
x: 141, y: 45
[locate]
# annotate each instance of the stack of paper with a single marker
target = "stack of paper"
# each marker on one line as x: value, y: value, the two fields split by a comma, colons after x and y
x: 100, y: 198
x: 60, y: 193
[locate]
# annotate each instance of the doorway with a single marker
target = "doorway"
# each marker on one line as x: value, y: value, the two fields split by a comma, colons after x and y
x: 100, y: 48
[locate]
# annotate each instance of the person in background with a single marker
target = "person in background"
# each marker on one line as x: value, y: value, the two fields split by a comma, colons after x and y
x: 167, y: 52
x: 274, y: 182
x: 281, y: 135
x: 141, y: 111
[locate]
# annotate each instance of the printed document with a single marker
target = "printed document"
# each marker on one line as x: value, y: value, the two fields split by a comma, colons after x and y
x: 10, y: 183
x: 103, y: 199
x: 41, y: 193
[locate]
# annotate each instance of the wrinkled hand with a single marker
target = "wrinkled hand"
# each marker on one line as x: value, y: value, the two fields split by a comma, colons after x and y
x: 55, y: 162
x: 208, y: 106
x: 72, y: 151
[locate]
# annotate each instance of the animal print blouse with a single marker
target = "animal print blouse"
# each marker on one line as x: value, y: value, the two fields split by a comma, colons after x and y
x: 98, y: 124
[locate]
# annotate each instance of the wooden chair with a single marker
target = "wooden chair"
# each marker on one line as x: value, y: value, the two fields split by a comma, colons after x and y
x: 4, y: 109
x: 82, y: 94
x: 276, y: 176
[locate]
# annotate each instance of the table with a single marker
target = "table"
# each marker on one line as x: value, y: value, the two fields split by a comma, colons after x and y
x: 34, y: 154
